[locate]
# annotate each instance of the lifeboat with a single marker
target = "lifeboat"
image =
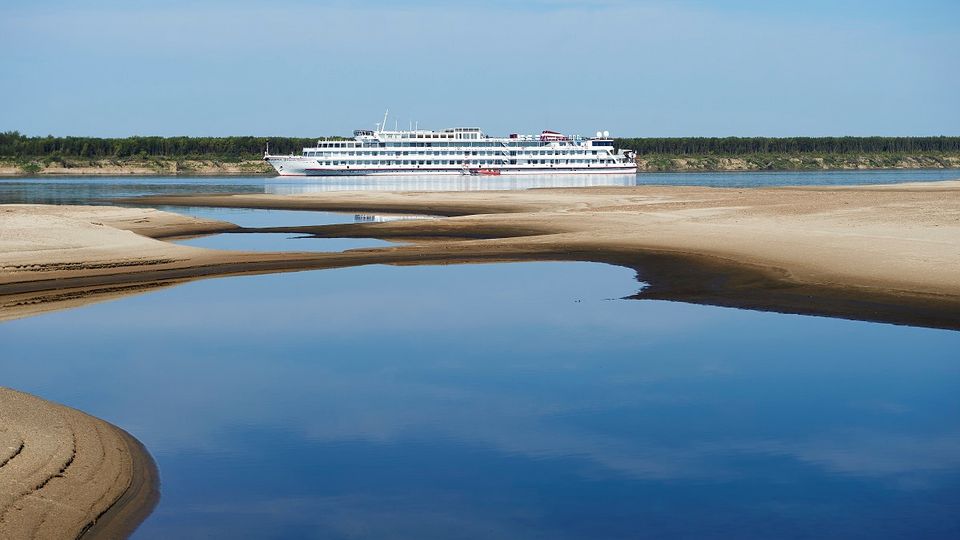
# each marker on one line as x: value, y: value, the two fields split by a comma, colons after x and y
x: 548, y: 135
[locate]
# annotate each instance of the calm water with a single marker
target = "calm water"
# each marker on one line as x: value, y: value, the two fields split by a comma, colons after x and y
x: 84, y: 190
x: 503, y: 401
x: 273, y: 241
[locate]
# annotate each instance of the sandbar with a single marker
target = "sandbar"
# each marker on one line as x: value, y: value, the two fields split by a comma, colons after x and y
x: 887, y: 253
x: 878, y: 253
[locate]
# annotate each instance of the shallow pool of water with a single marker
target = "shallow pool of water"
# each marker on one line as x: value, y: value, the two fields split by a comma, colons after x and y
x: 281, y: 242
x: 514, y: 400
x: 274, y: 241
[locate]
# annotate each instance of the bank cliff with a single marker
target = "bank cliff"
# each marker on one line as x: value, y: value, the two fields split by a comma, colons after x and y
x: 793, y: 162
x: 158, y: 166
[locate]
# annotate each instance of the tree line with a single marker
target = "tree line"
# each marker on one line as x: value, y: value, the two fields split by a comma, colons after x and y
x: 16, y: 145
x: 788, y: 145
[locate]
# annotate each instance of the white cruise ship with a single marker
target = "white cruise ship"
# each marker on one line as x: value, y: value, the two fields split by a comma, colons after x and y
x: 461, y: 151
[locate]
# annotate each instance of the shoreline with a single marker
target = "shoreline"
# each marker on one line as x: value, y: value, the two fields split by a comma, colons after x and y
x: 67, y: 474
x: 138, y: 501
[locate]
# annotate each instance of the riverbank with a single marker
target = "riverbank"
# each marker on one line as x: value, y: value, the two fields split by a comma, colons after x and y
x: 64, y: 473
x: 881, y: 253
x: 162, y: 166
x: 158, y: 166
x: 794, y: 162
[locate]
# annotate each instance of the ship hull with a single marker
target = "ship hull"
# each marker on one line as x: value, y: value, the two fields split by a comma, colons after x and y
x: 297, y: 167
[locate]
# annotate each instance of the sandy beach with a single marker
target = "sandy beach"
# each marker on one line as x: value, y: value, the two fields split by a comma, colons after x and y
x: 64, y: 473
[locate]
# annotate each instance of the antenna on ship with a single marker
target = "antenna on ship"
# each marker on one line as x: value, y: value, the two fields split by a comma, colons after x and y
x: 383, y: 126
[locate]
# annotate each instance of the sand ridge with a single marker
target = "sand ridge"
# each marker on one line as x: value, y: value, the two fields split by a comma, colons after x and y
x: 61, y: 470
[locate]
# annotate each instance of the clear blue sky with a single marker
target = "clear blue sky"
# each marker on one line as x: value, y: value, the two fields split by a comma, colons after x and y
x: 636, y: 68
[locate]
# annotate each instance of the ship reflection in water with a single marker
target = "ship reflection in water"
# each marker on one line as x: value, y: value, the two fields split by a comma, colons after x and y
x: 383, y: 218
x: 286, y: 186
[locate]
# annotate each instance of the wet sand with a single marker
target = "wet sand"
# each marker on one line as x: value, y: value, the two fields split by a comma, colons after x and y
x: 64, y: 473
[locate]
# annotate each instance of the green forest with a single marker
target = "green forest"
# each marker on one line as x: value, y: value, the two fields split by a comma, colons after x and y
x: 15, y: 145
x: 18, y: 146
x: 736, y: 146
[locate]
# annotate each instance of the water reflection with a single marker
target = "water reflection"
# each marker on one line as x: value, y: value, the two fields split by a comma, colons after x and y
x: 286, y: 186
x: 280, y: 242
x: 509, y: 401
x: 85, y: 189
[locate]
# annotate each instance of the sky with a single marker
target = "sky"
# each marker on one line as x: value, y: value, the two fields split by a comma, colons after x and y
x: 636, y: 68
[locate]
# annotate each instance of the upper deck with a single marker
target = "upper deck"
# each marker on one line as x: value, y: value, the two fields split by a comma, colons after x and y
x: 459, y: 137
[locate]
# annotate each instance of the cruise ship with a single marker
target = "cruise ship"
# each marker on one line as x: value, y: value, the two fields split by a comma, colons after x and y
x: 455, y: 151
